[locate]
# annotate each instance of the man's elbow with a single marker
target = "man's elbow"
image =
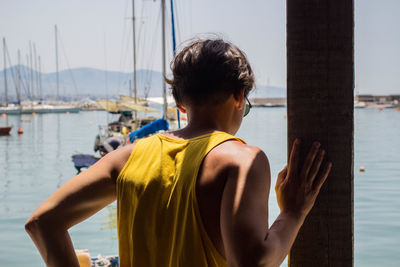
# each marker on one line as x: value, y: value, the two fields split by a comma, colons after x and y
x: 32, y: 226
x: 41, y: 222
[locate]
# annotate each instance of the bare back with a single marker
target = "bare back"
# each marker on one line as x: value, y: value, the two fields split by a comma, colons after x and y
x: 224, y: 162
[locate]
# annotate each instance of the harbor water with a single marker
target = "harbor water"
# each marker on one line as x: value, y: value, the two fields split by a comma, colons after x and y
x: 35, y: 164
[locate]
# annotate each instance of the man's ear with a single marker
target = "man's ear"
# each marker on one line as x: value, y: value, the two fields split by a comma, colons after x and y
x: 181, y: 108
x: 239, y: 99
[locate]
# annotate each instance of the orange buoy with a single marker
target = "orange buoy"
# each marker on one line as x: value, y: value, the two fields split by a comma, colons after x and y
x: 3, y: 115
x: 67, y: 112
x: 20, y: 131
x: 33, y: 114
x: 398, y: 109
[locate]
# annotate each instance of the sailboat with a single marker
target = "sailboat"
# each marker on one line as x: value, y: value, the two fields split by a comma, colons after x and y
x: 169, y: 115
x: 5, y: 130
x: 6, y: 107
x: 31, y: 106
x: 57, y: 107
x: 128, y: 107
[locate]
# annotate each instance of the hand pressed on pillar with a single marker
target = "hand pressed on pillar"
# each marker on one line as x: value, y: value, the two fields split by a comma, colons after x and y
x: 297, y: 187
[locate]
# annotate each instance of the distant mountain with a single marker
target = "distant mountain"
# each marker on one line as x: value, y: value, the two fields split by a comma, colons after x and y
x: 78, y: 82
x: 83, y: 82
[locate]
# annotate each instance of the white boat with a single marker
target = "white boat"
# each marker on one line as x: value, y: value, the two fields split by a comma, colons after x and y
x: 10, y: 110
x: 359, y: 104
x: 38, y: 109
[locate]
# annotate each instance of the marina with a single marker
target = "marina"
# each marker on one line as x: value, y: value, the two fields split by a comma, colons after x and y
x: 74, y: 90
x: 36, y: 163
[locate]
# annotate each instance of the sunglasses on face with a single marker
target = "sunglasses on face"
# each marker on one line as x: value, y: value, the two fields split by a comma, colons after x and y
x: 248, y: 107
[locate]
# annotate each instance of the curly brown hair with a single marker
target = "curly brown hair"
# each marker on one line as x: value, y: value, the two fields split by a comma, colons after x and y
x: 208, y: 71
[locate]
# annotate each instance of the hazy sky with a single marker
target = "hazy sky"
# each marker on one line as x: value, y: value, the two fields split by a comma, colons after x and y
x: 97, y: 33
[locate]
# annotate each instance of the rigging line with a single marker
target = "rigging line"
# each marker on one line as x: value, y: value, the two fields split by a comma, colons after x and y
x: 26, y: 78
x: 69, y: 67
x: 36, y: 69
x: 149, y: 53
x: 105, y: 63
x: 139, y: 32
x: 178, y: 21
x: 122, y: 44
x: 124, y: 56
x: 148, y: 24
x: 153, y: 40
x: 191, y: 16
x: 154, y: 43
x: 42, y: 70
x: 121, y: 58
x: 145, y: 54
x: 31, y: 70
x: 11, y: 68
x: 141, y: 41
x: 19, y: 77
x: 123, y: 68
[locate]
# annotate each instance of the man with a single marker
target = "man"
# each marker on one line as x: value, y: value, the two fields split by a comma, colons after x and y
x: 196, y: 196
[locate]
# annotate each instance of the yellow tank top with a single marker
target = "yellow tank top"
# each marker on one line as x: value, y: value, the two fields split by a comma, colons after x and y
x: 158, y: 219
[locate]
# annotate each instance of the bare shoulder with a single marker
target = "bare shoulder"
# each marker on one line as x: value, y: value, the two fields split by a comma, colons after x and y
x: 117, y: 159
x: 236, y: 155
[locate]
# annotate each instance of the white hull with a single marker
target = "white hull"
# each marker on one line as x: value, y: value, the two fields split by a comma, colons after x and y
x: 39, y: 109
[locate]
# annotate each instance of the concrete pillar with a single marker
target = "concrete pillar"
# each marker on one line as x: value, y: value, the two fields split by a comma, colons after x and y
x: 320, y: 85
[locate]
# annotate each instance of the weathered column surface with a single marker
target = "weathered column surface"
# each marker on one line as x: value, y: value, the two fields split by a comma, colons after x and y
x: 320, y: 85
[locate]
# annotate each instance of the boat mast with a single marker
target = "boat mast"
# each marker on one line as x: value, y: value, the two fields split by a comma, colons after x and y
x: 40, y: 79
x: 26, y: 76
x: 130, y: 87
x: 5, y: 71
x: 165, y: 108
x: 31, y: 69
x: 19, y: 78
x: 57, y: 78
x: 174, y: 51
x: 134, y: 57
x: 36, y: 71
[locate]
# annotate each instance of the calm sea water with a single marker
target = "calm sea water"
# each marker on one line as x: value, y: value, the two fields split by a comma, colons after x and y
x: 34, y: 165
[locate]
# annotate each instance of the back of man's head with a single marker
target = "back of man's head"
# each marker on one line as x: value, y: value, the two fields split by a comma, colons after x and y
x: 208, y: 71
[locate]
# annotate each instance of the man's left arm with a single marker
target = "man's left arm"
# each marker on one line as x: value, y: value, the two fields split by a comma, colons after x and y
x: 75, y: 201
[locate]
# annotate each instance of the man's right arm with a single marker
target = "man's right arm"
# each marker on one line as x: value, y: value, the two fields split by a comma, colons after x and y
x: 248, y: 240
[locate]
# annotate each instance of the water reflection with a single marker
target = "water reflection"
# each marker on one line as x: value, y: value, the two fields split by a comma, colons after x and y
x: 58, y: 151
x: 4, y: 172
x: 29, y: 176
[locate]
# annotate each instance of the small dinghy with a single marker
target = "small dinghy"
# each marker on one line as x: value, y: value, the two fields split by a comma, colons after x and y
x: 5, y: 130
x: 83, y: 161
